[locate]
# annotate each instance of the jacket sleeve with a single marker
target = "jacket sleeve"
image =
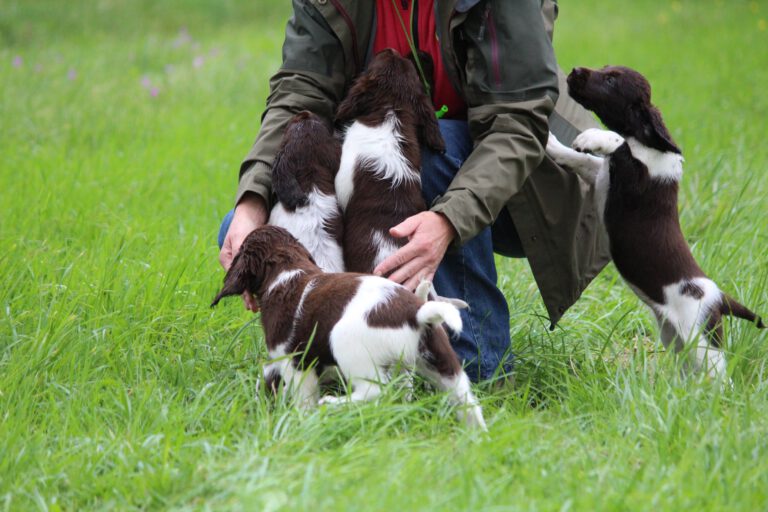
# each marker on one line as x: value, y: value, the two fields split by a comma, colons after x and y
x: 509, y: 78
x: 311, y: 78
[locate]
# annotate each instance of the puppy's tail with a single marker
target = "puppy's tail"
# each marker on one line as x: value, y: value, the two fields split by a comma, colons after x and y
x: 434, y: 313
x: 426, y: 291
x: 731, y: 306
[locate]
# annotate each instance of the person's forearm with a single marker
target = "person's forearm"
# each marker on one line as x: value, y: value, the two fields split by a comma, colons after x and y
x: 502, y: 160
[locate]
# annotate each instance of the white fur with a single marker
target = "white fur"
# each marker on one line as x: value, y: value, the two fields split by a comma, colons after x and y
x: 365, y: 354
x: 586, y: 166
x: 279, y: 350
x: 283, y: 278
x: 361, y: 351
x: 378, y: 146
x: 592, y: 169
x: 305, y: 224
x: 423, y: 289
x: 461, y: 395
x: 683, y: 319
x: 303, y: 385
x: 435, y: 313
x: 597, y: 141
x: 662, y: 165
x: 384, y: 247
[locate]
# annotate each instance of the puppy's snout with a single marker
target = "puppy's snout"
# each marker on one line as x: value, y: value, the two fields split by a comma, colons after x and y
x: 578, y: 75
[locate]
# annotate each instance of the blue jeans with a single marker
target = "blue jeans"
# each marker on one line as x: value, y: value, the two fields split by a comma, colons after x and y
x: 468, y: 272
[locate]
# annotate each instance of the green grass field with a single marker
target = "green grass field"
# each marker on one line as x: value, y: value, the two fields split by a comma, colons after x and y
x: 122, y: 125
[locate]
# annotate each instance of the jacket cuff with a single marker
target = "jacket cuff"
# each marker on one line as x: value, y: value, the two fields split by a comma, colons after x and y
x: 454, y: 206
x: 257, y: 179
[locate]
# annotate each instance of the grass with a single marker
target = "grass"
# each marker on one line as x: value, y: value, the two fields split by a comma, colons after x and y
x: 122, y: 128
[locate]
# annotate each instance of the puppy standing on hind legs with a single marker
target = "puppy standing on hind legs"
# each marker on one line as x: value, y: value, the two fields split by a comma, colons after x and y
x: 363, y: 324
x: 303, y: 183
x: 637, y: 188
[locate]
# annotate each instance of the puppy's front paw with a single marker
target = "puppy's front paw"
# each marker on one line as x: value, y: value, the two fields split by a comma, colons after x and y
x: 597, y: 141
x: 331, y: 400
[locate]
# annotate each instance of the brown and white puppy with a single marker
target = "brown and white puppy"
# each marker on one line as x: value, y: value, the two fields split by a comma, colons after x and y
x: 637, y: 185
x: 386, y: 115
x: 365, y: 325
x: 303, y: 182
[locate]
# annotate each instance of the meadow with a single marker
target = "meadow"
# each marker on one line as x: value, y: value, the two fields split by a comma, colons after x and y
x: 122, y: 126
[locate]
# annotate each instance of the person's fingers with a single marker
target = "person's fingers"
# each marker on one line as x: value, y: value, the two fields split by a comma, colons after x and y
x: 406, y: 228
x: 408, y: 270
x: 414, y: 280
x: 399, y: 258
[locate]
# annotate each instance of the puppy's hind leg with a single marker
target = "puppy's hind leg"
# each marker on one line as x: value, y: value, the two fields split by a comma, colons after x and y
x: 363, y: 375
x: 711, y: 359
x: 709, y: 353
x: 668, y: 334
x: 362, y: 391
x: 438, y: 364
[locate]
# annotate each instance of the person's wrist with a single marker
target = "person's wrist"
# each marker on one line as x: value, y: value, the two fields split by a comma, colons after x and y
x: 252, y: 206
x: 450, y: 231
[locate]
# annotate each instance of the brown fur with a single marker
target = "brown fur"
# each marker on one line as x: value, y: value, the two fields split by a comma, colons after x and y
x: 269, y: 251
x: 391, y: 84
x: 641, y: 218
x: 308, y: 158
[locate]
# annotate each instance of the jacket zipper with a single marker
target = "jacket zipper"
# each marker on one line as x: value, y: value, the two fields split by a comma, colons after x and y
x: 495, y: 62
x: 352, y: 31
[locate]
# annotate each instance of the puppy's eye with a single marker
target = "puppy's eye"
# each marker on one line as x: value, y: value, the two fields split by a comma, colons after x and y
x: 610, y: 80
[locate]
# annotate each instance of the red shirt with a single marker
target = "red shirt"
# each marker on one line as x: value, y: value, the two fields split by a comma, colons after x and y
x: 389, y: 34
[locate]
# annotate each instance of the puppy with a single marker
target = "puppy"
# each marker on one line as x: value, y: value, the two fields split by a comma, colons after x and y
x: 303, y: 182
x: 637, y: 185
x: 387, y: 116
x: 363, y: 324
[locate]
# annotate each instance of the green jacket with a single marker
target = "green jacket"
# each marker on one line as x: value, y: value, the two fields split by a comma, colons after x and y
x: 499, y: 56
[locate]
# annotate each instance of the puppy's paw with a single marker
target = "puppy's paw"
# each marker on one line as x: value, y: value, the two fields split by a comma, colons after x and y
x: 332, y: 400
x: 556, y: 149
x: 597, y: 141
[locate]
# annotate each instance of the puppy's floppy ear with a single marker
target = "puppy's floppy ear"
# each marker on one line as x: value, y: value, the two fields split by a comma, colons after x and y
x: 428, y: 127
x: 421, y: 103
x: 653, y: 129
x: 427, y: 66
x: 237, y: 279
x: 356, y: 102
x: 284, y: 183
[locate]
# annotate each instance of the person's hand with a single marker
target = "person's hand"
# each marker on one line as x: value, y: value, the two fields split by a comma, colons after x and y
x: 250, y: 213
x: 429, y: 235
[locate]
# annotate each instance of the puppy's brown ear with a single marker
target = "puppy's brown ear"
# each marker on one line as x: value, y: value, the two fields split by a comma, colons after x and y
x: 654, y: 130
x: 237, y: 279
x: 357, y: 102
x: 428, y: 127
x: 427, y: 67
x: 284, y: 183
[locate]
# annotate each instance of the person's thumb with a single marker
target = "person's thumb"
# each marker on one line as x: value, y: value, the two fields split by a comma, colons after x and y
x: 225, y: 254
x: 405, y: 228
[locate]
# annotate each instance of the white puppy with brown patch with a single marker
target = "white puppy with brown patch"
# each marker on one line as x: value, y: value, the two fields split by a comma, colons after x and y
x: 363, y: 324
